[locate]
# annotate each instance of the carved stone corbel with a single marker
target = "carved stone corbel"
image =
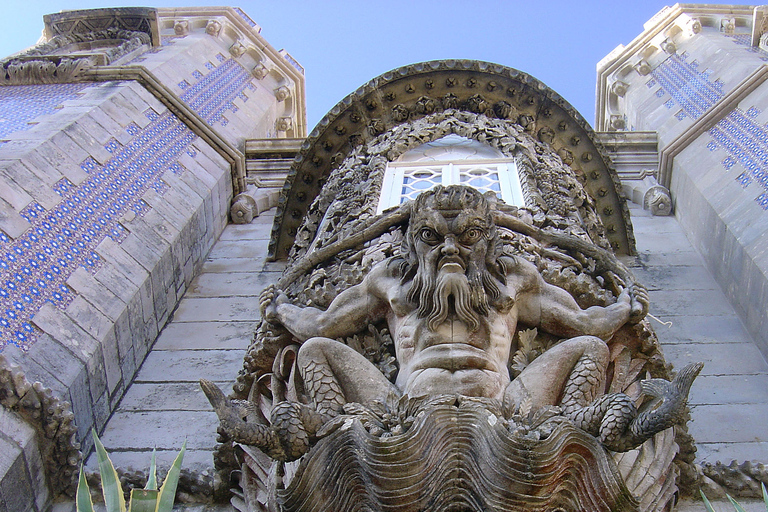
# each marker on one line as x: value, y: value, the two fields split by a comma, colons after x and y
x: 668, y: 46
x: 237, y: 49
x: 648, y: 192
x: 212, y: 28
x: 282, y: 93
x: 260, y: 71
x: 657, y: 199
x: 643, y: 67
x: 283, y: 124
x: 728, y: 25
x: 695, y: 26
x: 619, y: 88
x: 618, y: 122
x: 181, y: 27
x: 249, y: 204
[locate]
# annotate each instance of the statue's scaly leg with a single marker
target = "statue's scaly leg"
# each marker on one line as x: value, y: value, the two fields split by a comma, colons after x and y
x: 570, y: 374
x: 335, y: 374
x: 323, y: 387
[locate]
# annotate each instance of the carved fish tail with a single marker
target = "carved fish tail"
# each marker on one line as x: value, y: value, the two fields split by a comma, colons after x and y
x: 323, y: 387
x: 590, y: 417
x: 232, y: 423
x: 619, y: 425
x: 293, y: 426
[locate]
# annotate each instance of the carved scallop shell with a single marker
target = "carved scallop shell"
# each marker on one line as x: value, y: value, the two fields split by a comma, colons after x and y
x: 459, y: 457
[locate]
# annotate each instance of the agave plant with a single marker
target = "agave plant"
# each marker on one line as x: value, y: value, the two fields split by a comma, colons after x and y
x: 148, y: 499
x: 736, y: 506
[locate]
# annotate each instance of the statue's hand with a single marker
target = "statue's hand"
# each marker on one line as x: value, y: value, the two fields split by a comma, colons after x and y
x: 269, y: 299
x: 639, y: 302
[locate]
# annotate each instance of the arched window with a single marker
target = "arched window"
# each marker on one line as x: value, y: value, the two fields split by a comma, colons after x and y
x: 451, y: 160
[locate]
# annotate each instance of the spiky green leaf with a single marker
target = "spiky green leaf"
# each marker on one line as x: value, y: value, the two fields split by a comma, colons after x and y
x: 114, y: 500
x: 152, y: 479
x: 83, y: 500
x: 168, y: 490
x: 735, y: 504
x: 143, y: 500
x: 707, y: 504
x: 765, y: 496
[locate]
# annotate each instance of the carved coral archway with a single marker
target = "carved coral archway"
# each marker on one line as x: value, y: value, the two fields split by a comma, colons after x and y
x: 410, y: 93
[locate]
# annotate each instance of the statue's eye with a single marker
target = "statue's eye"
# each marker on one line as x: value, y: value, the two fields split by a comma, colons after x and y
x: 471, y: 235
x: 428, y: 235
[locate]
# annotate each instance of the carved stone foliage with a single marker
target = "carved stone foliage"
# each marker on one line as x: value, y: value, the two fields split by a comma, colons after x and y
x: 405, y: 95
x: 53, y: 420
x: 42, y: 71
x: 43, y: 64
x: 350, y: 196
x: 81, y: 22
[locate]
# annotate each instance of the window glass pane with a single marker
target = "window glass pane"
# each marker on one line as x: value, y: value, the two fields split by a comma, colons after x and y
x: 451, y: 160
x: 417, y: 180
x: 484, y: 179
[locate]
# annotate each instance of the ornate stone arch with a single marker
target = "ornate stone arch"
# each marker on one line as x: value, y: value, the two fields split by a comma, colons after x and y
x: 350, y: 193
x: 411, y: 93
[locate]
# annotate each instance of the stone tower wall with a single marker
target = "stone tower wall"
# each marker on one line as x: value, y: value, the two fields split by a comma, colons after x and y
x: 697, y: 76
x: 115, y: 182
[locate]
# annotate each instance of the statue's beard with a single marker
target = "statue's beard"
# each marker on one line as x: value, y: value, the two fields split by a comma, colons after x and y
x: 440, y: 294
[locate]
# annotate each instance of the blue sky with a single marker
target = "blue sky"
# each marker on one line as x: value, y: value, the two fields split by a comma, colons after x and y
x: 343, y: 44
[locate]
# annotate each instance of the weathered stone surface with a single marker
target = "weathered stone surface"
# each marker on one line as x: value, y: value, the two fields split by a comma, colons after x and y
x: 726, y: 452
x: 188, y: 366
x: 714, y: 423
x: 223, y: 265
x: 674, y: 303
x: 703, y: 329
x: 678, y: 278
x: 233, y: 249
x: 21, y: 468
x: 205, y: 335
x: 134, y: 430
x: 730, y: 389
x: 259, y: 229
x: 166, y: 396
x: 231, y: 284
x: 719, y: 358
x: 200, y: 461
x: 15, y: 487
x: 217, y: 309
x: 97, y: 294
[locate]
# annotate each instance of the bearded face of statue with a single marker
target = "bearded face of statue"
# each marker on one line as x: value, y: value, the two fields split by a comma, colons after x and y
x: 450, y: 233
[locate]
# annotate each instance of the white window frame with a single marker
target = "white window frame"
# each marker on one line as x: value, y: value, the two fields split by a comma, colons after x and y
x: 450, y: 174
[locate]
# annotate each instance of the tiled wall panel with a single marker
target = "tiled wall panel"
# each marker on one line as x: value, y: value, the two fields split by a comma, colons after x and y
x: 110, y: 245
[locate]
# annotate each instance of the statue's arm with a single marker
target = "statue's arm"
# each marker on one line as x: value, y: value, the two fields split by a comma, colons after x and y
x: 555, y: 311
x: 350, y: 312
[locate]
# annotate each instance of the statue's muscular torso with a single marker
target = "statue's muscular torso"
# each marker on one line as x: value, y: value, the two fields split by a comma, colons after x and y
x: 452, y: 357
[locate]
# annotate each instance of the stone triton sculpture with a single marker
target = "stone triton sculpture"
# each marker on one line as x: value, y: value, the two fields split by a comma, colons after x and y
x: 453, y: 298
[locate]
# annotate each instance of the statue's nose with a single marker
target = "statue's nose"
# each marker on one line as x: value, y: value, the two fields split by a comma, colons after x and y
x: 449, y: 247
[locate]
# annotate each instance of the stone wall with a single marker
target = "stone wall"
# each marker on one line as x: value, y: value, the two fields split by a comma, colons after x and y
x: 697, y: 76
x: 109, y: 212
x: 114, y: 186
